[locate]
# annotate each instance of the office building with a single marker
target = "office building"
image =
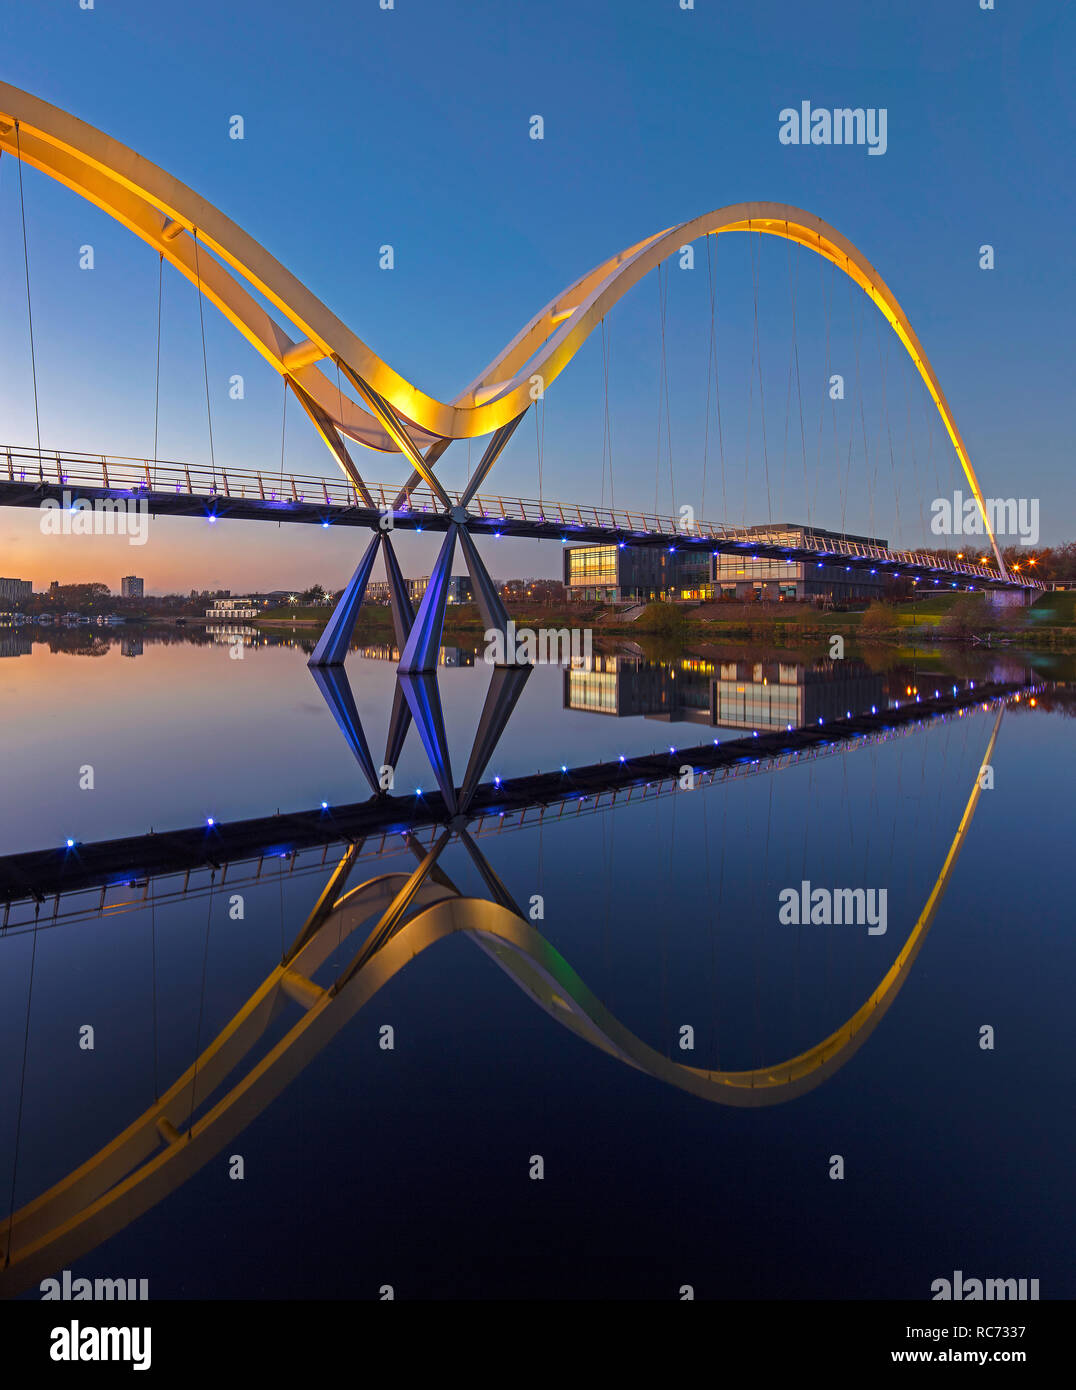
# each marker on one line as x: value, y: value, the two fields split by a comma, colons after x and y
x: 646, y: 574
x: 611, y: 574
x: 748, y: 577
x: 13, y: 590
x: 132, y: 587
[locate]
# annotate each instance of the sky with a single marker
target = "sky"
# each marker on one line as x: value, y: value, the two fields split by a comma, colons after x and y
x: 411, y: 126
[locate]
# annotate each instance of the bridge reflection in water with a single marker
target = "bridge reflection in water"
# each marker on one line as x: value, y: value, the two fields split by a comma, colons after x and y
x: 385, y: 922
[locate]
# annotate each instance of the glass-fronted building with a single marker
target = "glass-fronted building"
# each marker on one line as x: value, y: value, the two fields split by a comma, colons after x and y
x: 634, y: 574
x: 646, y: 574
x: 748, y: 577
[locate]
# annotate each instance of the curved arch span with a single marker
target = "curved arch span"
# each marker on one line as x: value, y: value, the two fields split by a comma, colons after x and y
x: 175, y: 220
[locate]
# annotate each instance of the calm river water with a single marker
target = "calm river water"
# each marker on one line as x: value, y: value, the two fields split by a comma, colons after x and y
x: 583, y: 1143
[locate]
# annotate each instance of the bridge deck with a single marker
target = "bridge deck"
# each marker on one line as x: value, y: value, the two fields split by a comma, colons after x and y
x: 180, y: 489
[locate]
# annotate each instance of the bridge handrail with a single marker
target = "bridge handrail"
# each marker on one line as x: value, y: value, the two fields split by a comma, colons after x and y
x: 118, y: 472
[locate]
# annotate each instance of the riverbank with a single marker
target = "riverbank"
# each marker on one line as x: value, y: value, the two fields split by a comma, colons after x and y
x: 948, y: 619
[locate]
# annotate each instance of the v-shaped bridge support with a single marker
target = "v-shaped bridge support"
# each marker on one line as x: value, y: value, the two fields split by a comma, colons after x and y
x: 417, y: 636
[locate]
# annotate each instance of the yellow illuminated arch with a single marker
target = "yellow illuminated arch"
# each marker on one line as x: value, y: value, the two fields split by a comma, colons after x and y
x: 176, y: 222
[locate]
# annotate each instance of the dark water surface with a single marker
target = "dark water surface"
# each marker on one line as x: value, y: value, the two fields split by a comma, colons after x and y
x: 411, y: 1167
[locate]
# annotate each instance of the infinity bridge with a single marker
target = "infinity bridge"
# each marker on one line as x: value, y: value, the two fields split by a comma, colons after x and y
x: 350, y: 394
x: 321, y: 361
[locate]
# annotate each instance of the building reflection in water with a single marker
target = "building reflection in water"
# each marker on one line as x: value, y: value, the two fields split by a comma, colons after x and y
x: 14, y: 644
x: 732, y: 694
x: 387, y: 651
x: 228, y: 634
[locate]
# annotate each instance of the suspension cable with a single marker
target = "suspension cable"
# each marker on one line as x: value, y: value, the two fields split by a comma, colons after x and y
x: 205, y: 361
x: 283, y: 428
x: 799, y: 387
x: 717, y: 383
x: 709, y: 374
x: 884, y: 364
x: 909, y: 445
x: 863, y: 418
x: 157, y: 389
x: 761, y: 395
x: 668, y: 405
x: 29, y: 310
x: 661, y: 331
x: 832, y: 400
x: 607, y: 432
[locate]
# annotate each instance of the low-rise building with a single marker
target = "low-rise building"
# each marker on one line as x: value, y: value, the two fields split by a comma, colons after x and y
x: 645, y: 574
x: 619, y: 574
x: 459, y: 590
x: 225, y: 609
